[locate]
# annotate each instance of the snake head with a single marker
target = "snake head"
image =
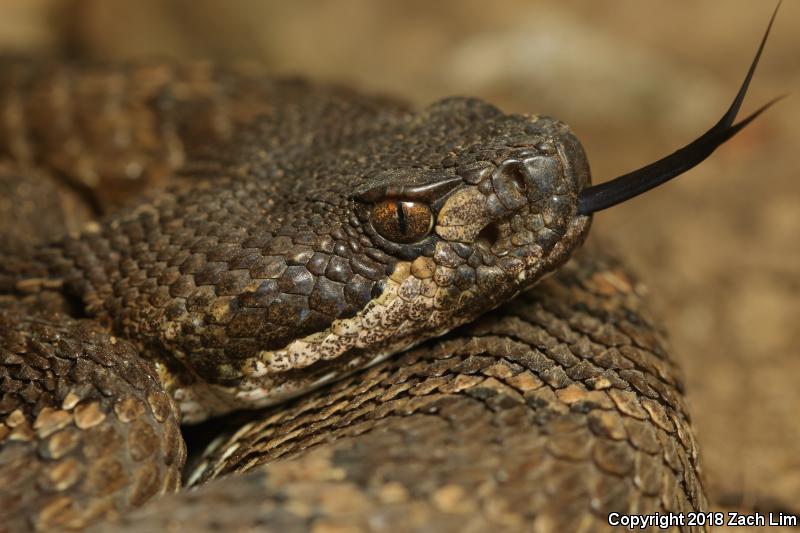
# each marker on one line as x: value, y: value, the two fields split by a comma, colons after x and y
x: 456, y: 209
x: 485, y: 222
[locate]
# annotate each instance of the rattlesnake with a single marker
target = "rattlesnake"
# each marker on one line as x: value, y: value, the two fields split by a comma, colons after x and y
x: 238, y: 242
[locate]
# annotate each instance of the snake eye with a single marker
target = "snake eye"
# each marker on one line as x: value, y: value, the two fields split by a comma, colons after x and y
x: 402, y: 221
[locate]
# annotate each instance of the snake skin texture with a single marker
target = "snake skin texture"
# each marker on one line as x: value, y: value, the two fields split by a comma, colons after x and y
x: 87, y: 427
x: 182, y: 241
x: 553, y: 412
x: 113, y: 132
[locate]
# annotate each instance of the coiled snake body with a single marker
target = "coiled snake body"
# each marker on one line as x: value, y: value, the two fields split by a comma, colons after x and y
x: 237, y: 242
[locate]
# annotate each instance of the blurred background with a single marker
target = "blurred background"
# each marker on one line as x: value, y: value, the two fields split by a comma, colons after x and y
x: 719, y: 248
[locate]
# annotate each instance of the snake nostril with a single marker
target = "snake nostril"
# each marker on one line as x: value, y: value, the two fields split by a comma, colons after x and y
x: 511, y: 182
x: 519, y: 176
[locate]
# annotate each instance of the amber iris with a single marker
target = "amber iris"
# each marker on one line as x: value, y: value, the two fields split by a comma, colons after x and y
x: 402, y: 221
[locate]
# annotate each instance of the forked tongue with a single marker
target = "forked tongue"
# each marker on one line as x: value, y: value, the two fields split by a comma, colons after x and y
x: 627, y: 186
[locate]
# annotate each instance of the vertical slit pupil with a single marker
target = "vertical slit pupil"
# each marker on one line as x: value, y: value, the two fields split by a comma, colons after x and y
x: 402, y: 222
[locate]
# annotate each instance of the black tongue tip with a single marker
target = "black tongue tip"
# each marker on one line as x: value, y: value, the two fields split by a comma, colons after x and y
x: 632, y: 184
